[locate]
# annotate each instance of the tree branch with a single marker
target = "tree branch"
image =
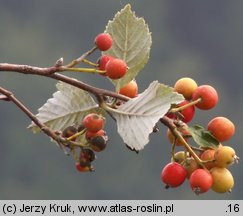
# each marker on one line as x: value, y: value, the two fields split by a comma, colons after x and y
x: 22, y: 107
x: 51, y: 72
x: 27, y: 69
x: 4, y: 97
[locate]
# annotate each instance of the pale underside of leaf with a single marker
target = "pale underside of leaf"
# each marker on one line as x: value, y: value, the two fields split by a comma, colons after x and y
x: 137, y: 117
x: 131, y: 42
x: 68, y: 106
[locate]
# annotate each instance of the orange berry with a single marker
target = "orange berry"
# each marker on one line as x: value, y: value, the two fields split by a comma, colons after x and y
x: 208, y: 155
x: 130, y: 89
x: 185, y: 86
x: 221, y: 128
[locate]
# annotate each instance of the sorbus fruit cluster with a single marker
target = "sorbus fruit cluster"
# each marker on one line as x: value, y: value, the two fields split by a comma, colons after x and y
x: 92, y: 128
x: 204, y: 96
x: 205, y: 167
x: 210, y: 170
x: 114, y: 68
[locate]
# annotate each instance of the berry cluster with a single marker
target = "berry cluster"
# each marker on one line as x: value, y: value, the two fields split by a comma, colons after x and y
x: 210, y: 171
x: 114, y: 68
x: 92, y: 128
x: 205, y: 167
x: 205, y: 97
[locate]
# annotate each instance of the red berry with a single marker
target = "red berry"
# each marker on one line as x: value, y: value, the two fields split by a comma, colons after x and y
x: 102, y: 61
x: 130, y: 89
x: 201, y: 181
x: 116, y: 68
x: 173, y: 174
x: 221, y: 128
x: 208, y: 95
x: 89, y: 134
x: 187, y: 113
x: 103, y: 41
x: 81, y: 168
x: 93, y: 122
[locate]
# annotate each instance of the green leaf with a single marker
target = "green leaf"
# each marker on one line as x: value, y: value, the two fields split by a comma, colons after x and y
x: 131, y: 42
x: 137, y: 117
x: 68, y: 106
x: 203, y: 137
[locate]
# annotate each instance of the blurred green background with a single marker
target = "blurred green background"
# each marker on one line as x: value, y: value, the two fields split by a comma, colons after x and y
x: 198, y: 39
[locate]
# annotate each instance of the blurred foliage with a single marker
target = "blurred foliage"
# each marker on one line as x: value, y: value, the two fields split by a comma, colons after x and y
x: 199, y: 39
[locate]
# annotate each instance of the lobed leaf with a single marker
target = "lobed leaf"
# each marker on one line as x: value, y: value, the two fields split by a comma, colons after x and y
x: 203, y: 137
x: 131, y: 42
x: 137, y: 117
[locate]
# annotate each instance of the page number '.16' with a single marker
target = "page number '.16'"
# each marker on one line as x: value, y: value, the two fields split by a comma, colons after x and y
x: 233, y: 208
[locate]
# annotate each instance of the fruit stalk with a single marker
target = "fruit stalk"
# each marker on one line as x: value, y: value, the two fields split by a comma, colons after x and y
x: 81, y: 70
x: 75, y: 135
x: 169, y: 123
x: 178, y: 109
x: 89, y: 63
x: 81, y: 58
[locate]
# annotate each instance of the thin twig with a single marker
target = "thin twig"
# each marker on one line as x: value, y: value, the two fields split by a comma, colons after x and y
x: 4, y: 98
x: 81, y: 58
x: 170, y: 124
x: 22, y: 107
